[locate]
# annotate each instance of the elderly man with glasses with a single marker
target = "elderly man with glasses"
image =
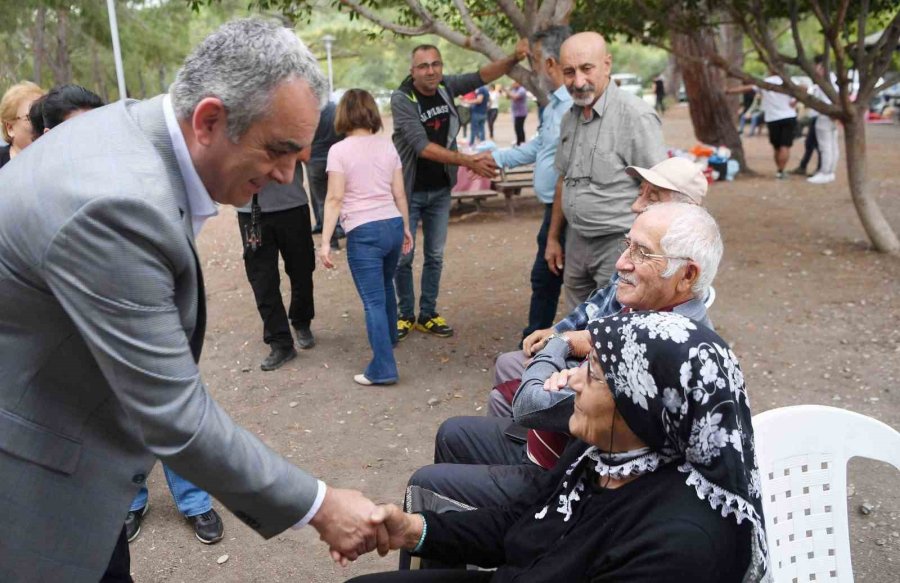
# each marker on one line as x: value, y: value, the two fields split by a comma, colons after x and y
x: 668, y: 261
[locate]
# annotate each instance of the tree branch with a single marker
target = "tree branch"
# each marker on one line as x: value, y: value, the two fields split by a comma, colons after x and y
x: 515, y: 16
x: 384, y: 23
x: 466, y: 17
x: 882, y: 52
x: 545, y: 13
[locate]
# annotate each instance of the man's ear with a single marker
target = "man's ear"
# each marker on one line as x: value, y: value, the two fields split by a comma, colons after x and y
x: 689, y: 277
x: 209, y: 119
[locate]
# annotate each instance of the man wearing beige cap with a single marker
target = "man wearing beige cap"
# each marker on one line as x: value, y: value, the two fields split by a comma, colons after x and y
x: 673, y: 179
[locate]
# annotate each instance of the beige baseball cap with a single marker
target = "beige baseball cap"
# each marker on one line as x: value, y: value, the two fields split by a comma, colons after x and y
x: 678, y: 174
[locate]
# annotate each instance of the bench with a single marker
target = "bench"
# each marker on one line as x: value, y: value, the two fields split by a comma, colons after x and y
x: 475, y: 195
x: 511, y: 187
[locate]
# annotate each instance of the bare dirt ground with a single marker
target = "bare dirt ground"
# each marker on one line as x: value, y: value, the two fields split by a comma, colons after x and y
x: 813, y: 314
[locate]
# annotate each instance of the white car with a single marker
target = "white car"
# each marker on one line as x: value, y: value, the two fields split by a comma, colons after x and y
x: 629, y: 82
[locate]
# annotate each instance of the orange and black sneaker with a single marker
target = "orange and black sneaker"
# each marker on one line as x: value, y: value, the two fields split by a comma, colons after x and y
x: 404, y: 326
x: 436, y: 325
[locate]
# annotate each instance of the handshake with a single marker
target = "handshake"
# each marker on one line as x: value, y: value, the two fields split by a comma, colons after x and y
x: 352, y: 525
x: 482, y: 164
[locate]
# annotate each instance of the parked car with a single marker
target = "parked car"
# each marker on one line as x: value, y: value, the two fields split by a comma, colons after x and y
x: 629, y: 82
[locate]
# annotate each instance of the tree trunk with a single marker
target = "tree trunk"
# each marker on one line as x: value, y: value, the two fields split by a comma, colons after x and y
x: 672, y: 77
x: 881, y: 234
x: 732, y: 39
x: 63, y: 69
x: 163, y: 87
x: 37, y: 44
x: 711, y: 115
x: 141, y: 84
x: 99, y: 77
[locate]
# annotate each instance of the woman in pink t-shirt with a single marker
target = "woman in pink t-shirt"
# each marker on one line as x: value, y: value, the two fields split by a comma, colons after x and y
x: 365, y: 187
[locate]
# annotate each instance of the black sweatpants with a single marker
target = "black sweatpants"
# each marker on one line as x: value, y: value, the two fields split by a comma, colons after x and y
x: 286, y: 232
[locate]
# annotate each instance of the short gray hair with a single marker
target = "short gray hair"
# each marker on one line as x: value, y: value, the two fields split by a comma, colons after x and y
x: 551, y: 39
x: 242, y: 63
x: 694, y: 233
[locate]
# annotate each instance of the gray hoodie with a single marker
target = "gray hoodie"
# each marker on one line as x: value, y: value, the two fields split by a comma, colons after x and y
x: 409, y: 133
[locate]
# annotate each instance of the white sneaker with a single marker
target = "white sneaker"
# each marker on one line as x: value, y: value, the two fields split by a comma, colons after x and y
x: 820, y: 178
x: 361, y: 379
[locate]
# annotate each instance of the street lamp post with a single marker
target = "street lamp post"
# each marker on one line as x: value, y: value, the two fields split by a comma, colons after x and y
x: 329, y: 42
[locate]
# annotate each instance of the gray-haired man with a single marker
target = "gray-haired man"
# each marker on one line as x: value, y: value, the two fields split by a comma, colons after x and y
x: 103, y: 312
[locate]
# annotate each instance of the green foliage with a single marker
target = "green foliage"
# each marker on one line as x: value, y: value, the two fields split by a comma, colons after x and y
x: 155, y: 36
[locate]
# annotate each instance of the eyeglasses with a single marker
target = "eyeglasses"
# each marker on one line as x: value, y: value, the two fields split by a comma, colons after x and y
x: 425, y: 66
x: 590, y: 371
x: 639, y: 256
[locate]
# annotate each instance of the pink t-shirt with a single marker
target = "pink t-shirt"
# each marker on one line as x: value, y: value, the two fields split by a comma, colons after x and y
x: 368, y: 164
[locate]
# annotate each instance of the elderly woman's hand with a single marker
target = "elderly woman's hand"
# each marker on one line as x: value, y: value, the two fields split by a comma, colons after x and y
x: 396, y: 529
x: 559, y: 380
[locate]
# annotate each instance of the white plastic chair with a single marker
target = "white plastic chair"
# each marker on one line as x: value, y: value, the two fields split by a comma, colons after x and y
x: 802, y: 453
x: 710, y: 297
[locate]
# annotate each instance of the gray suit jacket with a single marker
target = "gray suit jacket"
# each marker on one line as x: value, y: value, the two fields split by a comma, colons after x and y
x: 101, y: 297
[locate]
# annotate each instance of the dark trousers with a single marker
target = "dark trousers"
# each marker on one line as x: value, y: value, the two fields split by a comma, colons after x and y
x: 492, y: 117
x: 545, y: 285
x: 477, y: 464
x: 318, y: 189
x: 519, y: 124
x: 810, y: 145
x: 119, y: 568
x: 429, y: 576
x: 288, y: 233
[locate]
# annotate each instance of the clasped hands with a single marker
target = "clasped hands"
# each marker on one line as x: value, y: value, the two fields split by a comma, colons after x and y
x: 352, y: 525
x: 482, y: 164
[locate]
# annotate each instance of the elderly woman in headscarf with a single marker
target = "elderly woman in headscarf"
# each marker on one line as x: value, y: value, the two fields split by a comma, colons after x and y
x: 661, y: 485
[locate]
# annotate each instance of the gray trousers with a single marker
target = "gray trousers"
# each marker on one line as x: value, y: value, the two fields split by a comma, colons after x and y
x: 590, y: 262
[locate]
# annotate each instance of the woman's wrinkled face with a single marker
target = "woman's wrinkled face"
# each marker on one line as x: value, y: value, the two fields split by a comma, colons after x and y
x: 594, y: 404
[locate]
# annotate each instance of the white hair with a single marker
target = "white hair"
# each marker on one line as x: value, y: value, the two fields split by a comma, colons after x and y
x: 693, y: 233
x: 242, y: 63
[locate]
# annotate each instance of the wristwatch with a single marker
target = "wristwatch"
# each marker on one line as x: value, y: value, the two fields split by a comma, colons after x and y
x: 562, y: 337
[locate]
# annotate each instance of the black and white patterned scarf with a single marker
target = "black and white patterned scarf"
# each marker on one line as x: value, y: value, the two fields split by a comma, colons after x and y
x: 680, y: 389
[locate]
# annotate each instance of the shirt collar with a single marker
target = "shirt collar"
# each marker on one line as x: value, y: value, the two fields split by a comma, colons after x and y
x: 561, y: 95
x: 200, y: 205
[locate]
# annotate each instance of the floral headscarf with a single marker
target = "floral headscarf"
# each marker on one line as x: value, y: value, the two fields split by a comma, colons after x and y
x: 680, y: 389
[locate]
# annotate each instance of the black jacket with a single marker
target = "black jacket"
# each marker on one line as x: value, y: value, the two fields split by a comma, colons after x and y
x: 653, y: 529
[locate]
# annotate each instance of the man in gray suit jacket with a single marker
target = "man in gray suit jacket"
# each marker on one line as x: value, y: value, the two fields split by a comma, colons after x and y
x: 103, y: 312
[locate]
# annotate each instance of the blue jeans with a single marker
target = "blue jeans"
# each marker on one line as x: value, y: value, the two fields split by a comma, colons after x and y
x: 545, y: 285
x: 373, y: 250
x: 478, y: 121
x: 433, y: 208
x: 189, y: 499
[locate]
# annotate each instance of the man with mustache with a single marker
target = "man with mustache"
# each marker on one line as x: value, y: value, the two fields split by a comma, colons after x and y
x: 671, y: 258
x: 606, y: 131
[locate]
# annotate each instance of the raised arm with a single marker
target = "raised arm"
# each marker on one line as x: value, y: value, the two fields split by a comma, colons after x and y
x: 496, y: 69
